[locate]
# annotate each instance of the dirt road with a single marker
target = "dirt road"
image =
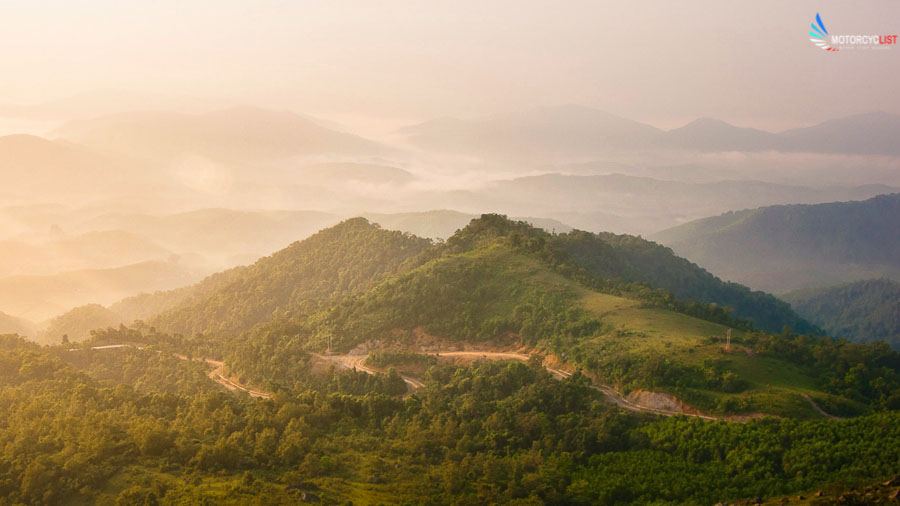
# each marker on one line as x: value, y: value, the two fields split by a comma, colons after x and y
x: 359, y: 362
x: 217, y: 374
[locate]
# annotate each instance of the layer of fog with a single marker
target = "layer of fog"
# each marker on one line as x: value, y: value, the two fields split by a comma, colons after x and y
x: 84, y: 222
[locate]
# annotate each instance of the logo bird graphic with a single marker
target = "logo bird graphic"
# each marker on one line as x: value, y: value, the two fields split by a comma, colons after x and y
x: 819, y: 34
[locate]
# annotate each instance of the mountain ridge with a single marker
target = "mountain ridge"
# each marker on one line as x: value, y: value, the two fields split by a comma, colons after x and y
x: 786, y: 247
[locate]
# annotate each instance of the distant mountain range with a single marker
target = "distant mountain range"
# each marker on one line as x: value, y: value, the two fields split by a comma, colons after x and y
x: 90, y: 250
x: 581, y: 131
x: 863, y: 311
x: 235, y: 135
x: 783, y: 248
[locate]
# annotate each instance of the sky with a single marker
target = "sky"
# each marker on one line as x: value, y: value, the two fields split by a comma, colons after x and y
x: 393, y: 61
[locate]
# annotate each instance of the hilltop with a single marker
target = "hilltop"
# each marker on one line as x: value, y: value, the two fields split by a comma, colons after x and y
x: 297, y: 279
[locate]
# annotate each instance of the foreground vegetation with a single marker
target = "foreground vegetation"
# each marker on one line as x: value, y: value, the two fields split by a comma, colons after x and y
x: 493, y: 432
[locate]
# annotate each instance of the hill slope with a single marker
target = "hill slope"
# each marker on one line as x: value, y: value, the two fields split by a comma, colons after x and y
x: 502, y: 284
x: 77, y: 323
x: 635, y: 260
x: 861, y: 312
x: 783, y: 248
x: 297, y: 279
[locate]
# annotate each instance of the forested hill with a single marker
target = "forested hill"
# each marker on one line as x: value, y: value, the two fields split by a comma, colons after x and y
x: 297, y: 279
x: 862, y: 311
x: 784, y: 248
x: 501, y: 284
x: 625, y: 259
x: 356, y: 254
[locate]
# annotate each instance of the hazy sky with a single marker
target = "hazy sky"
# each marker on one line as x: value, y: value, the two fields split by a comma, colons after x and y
x: 663, y: 62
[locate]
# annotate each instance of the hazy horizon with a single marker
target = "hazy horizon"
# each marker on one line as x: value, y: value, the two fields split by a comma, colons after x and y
x: 174, y: 133
x: 654, y: 62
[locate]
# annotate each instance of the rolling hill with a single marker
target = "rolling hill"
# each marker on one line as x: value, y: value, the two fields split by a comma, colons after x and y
x: 784, y: 248
x: 297, y: 279
x: 77, y: 323
x: 863, y: 311
x: 499, y: 283
x: 355, y: 255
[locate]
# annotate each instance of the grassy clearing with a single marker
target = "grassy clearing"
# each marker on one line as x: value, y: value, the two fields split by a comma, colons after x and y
x: 774, y: 386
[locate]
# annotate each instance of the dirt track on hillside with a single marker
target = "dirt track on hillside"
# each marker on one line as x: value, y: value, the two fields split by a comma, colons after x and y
x: 358, y: 362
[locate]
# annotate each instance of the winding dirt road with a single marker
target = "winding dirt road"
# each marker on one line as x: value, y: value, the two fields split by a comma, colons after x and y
x: 359, y: 362
x: 217, y: 374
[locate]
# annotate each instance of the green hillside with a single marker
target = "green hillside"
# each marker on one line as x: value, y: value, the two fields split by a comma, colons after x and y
x: 635, y: 260
x: 784, y: 248
x: 297, y: 279
x: 860, y: 312
x: 501, y: 283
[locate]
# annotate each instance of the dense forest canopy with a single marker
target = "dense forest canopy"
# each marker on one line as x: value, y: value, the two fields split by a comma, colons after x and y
x: 138, y: 426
